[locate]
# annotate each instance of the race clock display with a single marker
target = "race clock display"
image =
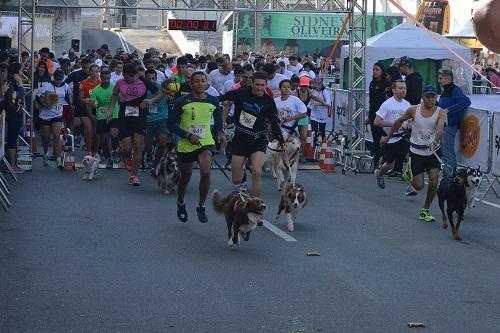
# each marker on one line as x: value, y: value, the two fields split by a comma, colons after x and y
x: 192, y: 25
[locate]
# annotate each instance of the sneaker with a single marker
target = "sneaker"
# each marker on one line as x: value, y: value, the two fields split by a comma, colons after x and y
x: 426, y: 216
x: 410, y: 191
x: 182, y: 213
x: 380, y: 180
x: 59, y: 163
x: 134, y: 181
x: 45, y: 160
x: 109, y: 164
x: 18, y: 169
x: 128, y: 165
x: 202, y: 215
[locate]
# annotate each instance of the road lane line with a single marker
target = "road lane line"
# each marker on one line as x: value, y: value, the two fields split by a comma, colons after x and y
x: 277, y: 231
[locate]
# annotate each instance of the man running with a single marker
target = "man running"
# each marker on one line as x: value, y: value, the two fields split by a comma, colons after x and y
x: 132, y: 116
x: 190, y: 119
x: 427, y: 131
x: 252, y: 108
x: 390, y: 111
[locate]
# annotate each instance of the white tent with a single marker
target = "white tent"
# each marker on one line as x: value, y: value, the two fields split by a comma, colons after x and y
x: 409, y: 40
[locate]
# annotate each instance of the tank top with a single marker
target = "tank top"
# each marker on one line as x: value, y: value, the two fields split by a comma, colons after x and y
x: 423, y: 131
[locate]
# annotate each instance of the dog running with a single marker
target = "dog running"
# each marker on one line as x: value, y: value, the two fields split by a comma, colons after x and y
x: 474, y: 178
x: 167, y: 173
x: 451, y: 192
x: 292, y: 200
x: 90, y: 165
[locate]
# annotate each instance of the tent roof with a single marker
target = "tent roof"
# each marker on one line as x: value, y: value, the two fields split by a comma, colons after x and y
x: 408, y: 40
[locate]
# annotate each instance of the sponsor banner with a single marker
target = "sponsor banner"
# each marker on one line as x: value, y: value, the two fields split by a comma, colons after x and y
x: 2, y: 134
x: 495, y: 152
x: 474, y: 139
x: 340, y: 111
x: 42, y: 31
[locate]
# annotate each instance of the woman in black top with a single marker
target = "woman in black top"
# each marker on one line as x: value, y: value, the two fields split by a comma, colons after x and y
x: 41, y: 75
x: 377, y: 94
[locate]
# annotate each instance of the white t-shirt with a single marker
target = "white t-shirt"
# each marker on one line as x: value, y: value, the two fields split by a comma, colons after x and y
x: 217, y: 79
x: 115, y: 77
x: 295, y: 69
x: 319, y: 112
x: 168, y: 72
x: 288, y: 74
x: 284, y: 59
x: 390, y: 111
x: 56, y: 111
x: 274, y: 84
x: 291, y: 107
x: 160, y: 77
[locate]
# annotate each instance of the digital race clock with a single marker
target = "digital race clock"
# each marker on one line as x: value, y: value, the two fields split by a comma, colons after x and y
x: 192, y: 25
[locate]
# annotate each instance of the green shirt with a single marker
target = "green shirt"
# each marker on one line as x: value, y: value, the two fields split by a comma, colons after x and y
x: 103, y: 97
x: 159, y: 110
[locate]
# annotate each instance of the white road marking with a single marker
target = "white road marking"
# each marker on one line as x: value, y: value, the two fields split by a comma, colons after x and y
x: 271, y: 227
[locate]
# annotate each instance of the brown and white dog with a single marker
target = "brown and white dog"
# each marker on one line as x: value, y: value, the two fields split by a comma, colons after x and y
x: 241, y: 212
x: 167, y: 173
x: 292, y: 200
x: 284, y: 163
x: 90, y: 165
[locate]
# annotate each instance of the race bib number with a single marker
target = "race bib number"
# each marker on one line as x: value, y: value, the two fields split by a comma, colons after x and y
x: 59, y: 108
x: 425, y: 136
x: 247, y: 119
x: 104, y: 112
x: 153, y: 109
x: 131, y: 111
x: 198, y: 130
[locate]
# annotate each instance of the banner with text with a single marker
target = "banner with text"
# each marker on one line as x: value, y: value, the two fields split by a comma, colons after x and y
x: 340, y: 111
x: 495, y: 154
x: 473, y: 140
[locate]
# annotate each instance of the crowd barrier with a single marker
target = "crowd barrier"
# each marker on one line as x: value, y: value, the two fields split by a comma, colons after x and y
x: 4, y: 185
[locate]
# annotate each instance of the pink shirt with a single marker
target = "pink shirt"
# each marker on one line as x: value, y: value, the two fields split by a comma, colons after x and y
x: 495, y: 79
x: 129, y: 91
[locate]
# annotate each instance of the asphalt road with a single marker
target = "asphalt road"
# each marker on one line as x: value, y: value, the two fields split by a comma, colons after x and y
x: 94, y: 38
x: 99, y: 256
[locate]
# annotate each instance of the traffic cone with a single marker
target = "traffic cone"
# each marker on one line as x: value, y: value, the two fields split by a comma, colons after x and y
x: 329, y: 162
x: 32, y: 141
x: 309, y: 149
x: 324, y: 145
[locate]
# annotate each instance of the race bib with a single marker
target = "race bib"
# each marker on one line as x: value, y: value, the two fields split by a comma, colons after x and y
x: 425, y: 136
x: 59, y: 108
x: 131, y: 111
x: 104, y: 112
x: 247, y: 119
x: 153, y: 109
x: 198, y: 130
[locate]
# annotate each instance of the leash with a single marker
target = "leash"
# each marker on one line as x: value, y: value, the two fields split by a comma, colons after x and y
x: 237, y: 190
x: 434, y: 152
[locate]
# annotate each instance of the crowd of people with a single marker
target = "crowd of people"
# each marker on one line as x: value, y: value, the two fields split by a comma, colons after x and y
x: 135, y: 109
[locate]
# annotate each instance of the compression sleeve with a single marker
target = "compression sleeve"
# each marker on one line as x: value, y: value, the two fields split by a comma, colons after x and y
x: 228, y: 96
x: 174, y: 119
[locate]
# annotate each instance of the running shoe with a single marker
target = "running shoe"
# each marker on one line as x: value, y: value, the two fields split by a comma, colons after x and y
x: 109, y: 164
x: 134, y: 181
x: 182, y: 213
x: 46, y: 160
x: 59, y: 163
x: 202, y: 215
x: 426, y: 216
x: 410, y: 191
x: 380, y: 179
x: 128, y: 165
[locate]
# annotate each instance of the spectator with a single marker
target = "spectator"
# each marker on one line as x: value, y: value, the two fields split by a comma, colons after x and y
x: 494, y: 78
x: 454, y: 102
x: 413, y: 81
x: 377, y: 96
x: 41, y: 75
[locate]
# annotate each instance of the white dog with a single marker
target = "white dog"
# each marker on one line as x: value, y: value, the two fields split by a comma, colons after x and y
x: 284, y: 163
x: 90, y: 166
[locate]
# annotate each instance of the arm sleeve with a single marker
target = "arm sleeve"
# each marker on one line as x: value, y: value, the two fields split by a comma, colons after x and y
x: 174, y: 118
x: 217, y: 118
x: 460, y: 101
x: 272, y: 115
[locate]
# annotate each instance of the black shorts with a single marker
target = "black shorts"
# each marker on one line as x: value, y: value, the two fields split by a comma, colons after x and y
x: 245, y: 145
x: 193, y: 156
x: 395, y: 151
x: 79, y: 112
x: 420, y: 164
x: 132, y: 125
x: 49, y: 122
x: 102, y: 127
x: 114, y: 123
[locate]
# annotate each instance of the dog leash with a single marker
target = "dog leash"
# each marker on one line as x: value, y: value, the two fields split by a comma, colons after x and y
x: 237, y: 190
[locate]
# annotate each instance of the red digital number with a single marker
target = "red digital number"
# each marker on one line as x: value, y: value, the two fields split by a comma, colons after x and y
x: 206, y: 25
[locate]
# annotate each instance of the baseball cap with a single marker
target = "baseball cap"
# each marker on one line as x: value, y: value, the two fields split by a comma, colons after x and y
x: 446, y: 72
x: 404, y: 61
x: 58, y: 74
x: 429, y: 90
x: 305, y: 81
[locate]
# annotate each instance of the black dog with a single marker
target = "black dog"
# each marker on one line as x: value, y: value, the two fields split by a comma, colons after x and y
x: 452, y: 191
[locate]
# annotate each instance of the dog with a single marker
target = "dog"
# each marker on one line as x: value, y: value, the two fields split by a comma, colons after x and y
x: 167, y: 173
x: 284, y: 163
x: 292, y: 200
x: 241, y: 212
x: 474, y: 178
x: 451, y: 191
x: 90, y: 166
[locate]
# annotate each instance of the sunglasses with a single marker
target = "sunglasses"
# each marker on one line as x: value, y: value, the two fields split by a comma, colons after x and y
x: 247, y: 77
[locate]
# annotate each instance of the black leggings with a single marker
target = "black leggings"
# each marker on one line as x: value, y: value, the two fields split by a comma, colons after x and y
x: 377, y: 133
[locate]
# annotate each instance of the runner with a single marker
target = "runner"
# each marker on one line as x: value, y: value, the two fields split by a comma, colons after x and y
x: 252, y: 108
x: 304, y: 94
x: 190, y: 120
x: 51, y: 112
x: 132, y: 117
x: 101, y: 97
x: 74, y: 79
x: 427, y: 131
x: 89, y: 122
x: 390, y: 111
x: 290, y: 108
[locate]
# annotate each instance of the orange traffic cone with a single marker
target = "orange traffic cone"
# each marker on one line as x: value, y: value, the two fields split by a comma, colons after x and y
x: 309, y: 149
x: 30, y: 140
x: 324, y: 145
x: 329, y: 162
